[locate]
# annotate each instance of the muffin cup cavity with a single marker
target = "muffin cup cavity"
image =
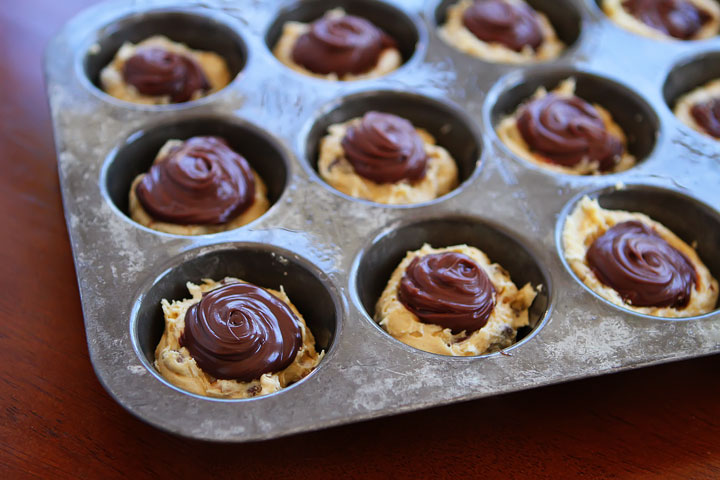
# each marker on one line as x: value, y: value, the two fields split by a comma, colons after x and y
x: 689, y: 74
x: 376, y: 263
x: 205, y: 31
x: 448, y: 124
x: 136, y: 155
x: 694, y: 222
x: 393, y: 21
x: 564, y: 16
x: 632, y: 113
x: 259, y: 264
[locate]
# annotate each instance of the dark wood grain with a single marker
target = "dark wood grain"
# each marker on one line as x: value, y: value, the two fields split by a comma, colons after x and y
x: 58, y: 422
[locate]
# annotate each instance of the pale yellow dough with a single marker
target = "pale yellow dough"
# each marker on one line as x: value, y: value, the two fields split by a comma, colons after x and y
x: 589, y: 221
x: 259, y: 206
x: 703, y: 94
x: 455, y: 33
x: 112, y: 82
x: 390, y: 58
x: 179, y: 368
x: 509, y: 133
x: 615, y: 11
x: 440, y: 178
x: 509, y: 314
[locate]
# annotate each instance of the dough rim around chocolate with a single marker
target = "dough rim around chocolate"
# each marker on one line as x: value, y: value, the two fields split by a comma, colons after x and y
x: 178, y: 367
x: 510, y: 135
x: 441, y: 175
x: 511, y: 311
x: 111, y: 78
x: 615, y: 11
x: 702, y: 94
x: 260, y: 205
x: 456, y: 34
x: 588, y: 221
x: 390, y: 59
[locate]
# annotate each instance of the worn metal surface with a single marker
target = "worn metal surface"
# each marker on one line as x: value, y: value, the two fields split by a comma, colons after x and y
x: 365, y: 373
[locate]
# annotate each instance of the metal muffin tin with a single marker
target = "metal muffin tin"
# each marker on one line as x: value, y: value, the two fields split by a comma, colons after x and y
x: 333, y: 254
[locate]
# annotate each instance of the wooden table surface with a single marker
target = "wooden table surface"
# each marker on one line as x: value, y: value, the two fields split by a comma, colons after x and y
x: 58, y: 422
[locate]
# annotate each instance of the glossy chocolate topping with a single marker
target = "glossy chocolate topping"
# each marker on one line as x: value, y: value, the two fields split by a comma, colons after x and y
x: 677, y: 18
x: 707, y: 115
x: 157, y: 72
x: 240, y: 331
x: 448, y: 289
x: 385, y: 148
x: 513, y: 25
x: 567, y: 129
x: 641, y: 266
x: 341, y: 45
x: 201, y: 182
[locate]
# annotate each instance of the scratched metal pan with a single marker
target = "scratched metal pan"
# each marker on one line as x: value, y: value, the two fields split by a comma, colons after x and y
x: 333, y: 254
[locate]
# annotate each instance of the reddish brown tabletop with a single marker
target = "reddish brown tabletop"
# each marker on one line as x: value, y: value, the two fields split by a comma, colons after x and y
x: 58, y: 422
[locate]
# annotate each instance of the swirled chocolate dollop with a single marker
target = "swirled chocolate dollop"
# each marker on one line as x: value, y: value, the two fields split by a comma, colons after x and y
x: 707, y: 115
x: 341, y: 45
x: 201, y: 182
x: 385, y: 148
x: 158, y: 72
x: 567, y: 129
x: 677, y: 18
x: 511, y: 24
x: 641, y: 266
x: 448, y: 289
x: 240, y: 331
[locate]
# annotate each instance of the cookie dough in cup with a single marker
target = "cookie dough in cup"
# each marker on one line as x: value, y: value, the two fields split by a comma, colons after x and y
x: 563, y: 133
x: 700, y: 109
x: 195, y: 187
x: 233, y: 339
x: 453, y: 301
x: 666, y: 19
x: 382, y: 158
x: 501, y: 31
x: 158, y: 71
x: 637, y: 263
x: 338, y: 46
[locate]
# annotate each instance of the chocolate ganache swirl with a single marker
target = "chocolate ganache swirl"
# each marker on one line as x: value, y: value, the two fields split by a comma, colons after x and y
x: 201, y: 182
x: 240, y: 331
x: 385, y: 148
x: 566, y: 130
x: 641, y: 266
x: 677, y: 18
x: 341, y: 45
x: 448, y: 289
x: 707, y: 115
x: 157, y: 72
x: 511, y: 24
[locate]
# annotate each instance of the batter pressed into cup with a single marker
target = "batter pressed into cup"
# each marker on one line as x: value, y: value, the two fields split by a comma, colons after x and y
x: 338, y: 46
x: 666, y: 19
x: 381, y: 157
x: 196, y: 187
x: 637, y: 263
x: 232, y: 339
x: 561, y: 132
x: 159, y: 71
x: 503, y: 31
x: 453, y: 301
x: 700, y: 109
